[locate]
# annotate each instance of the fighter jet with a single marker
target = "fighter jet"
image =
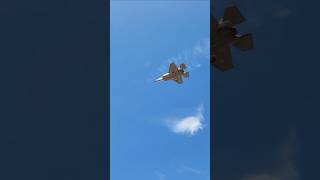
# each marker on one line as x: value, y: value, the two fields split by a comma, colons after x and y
x: 175, y: 73
x: 223, y: 35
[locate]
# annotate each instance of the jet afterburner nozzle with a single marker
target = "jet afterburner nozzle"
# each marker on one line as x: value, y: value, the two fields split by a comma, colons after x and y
x: 186, y: 74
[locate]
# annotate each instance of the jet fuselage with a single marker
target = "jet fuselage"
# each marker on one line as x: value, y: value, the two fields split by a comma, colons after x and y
x: 175, y: 74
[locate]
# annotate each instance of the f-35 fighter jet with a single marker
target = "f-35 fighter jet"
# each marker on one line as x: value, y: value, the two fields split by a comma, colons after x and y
x: 223, y: 35
x: 175, y: 73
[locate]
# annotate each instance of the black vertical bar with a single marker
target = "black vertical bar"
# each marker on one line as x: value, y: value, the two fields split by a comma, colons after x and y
x: 211, y: 95
x: 54, y: 95
x: 107, y: 118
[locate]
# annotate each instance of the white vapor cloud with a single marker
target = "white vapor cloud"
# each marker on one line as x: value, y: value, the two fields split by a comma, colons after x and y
x: 286, y: 169
x: 189, y: 125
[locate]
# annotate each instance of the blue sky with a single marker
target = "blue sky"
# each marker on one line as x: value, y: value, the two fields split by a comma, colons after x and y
x: 161, y: 130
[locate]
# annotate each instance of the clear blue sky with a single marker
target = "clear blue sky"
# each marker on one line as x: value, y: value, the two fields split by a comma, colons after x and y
x: 151, y: 137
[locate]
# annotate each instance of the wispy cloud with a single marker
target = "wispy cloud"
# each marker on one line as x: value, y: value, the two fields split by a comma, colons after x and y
x: 282, y: 13
x: 194, y: 56
x: 189, y: 125
x: 286, y: 166
x: 189, y: 169
x: 259, y: 19
x: 160, y: 175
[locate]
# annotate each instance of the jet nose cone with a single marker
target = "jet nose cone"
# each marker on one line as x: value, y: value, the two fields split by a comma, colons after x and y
x: 159, y: 79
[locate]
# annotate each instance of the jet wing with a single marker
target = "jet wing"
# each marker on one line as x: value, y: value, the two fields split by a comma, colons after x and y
x: 233, y: 15
x: 244, y: 42
x: 223, y: 58
x: 179, y: 80
x: 173, y: 68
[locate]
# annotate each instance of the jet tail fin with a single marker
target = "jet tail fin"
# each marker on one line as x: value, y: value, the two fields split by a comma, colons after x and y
x: 186, y: 75
x: 244, y: 42
x: 233, y: 15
